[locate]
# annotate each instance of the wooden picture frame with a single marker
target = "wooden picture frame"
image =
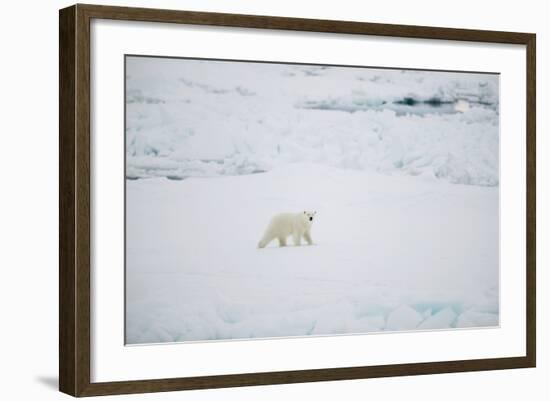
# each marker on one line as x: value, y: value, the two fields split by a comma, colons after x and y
x: 75, y: 198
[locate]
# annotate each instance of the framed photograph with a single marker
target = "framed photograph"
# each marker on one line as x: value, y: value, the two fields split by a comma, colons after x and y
x: 250, y: 200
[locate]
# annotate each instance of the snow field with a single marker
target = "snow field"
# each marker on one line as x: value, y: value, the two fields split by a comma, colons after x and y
x: 391, y: 253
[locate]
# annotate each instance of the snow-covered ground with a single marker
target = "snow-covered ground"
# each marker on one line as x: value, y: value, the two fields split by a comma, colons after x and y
x: 390, y: 253
x: 401, y: 167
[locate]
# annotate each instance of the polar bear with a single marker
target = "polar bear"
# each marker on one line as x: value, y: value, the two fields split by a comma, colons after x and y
x: 285, y: 224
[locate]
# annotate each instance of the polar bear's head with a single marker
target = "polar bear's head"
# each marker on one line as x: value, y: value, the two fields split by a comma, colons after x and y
x: 309, y: 215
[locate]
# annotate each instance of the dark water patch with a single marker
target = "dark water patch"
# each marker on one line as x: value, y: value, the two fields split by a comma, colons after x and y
x: 436, y: 102
x: 408, y: 101
x: 433, y: 101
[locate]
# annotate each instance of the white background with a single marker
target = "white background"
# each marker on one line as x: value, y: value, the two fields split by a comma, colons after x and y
x: 28, y: 219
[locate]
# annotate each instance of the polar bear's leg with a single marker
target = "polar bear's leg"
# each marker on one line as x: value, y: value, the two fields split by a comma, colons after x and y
x: 307, y: 237
x: 264, y: 241
x: 282, y: 241
x: 297, y: 239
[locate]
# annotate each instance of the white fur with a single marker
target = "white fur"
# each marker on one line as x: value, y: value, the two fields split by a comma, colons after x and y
x: 283, y: 225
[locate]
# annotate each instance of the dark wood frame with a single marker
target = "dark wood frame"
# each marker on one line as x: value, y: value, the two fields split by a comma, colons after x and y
x: 74, y: 199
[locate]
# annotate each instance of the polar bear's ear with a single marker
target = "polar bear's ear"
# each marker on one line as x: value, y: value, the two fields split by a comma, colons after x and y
x: 314, y: 213
x: 304, y: 212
